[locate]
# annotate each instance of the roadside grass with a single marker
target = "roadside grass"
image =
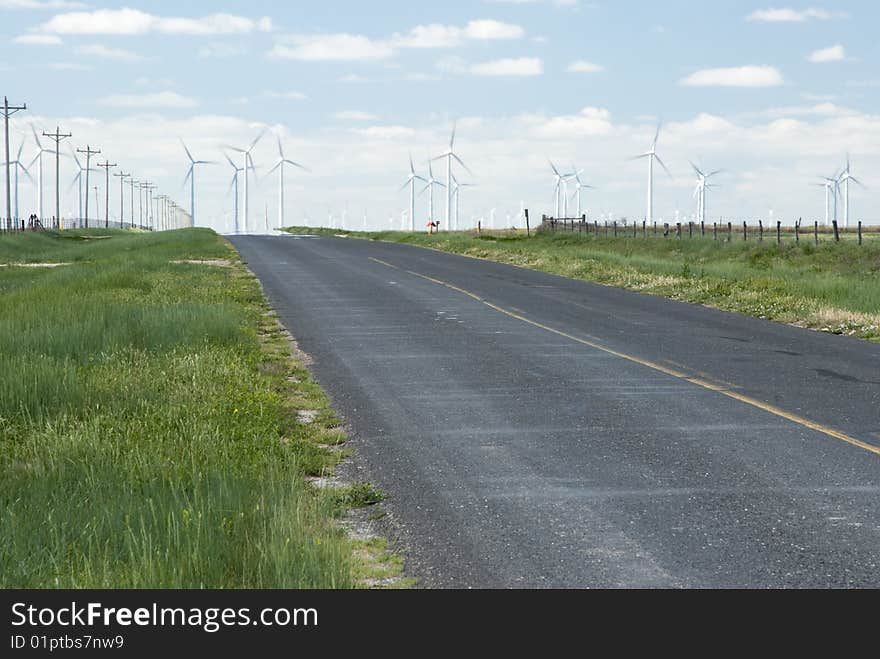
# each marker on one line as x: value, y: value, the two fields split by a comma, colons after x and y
x: 149, y: 428
x: 830, y: 287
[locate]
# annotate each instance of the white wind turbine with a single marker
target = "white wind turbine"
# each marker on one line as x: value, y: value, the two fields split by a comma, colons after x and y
x: 580, y: 185
x: 560, y: 181
x: 233, y: 187
x: 280, y: 167
x: 844, y: 179
x: 430, y: 190
x: 248, y: 165
x: 456, y: 194
x: 78, y: 180
x: 652, y: 156
x: 830, y: 187
x: 39, y: 159
x: 411, y: 182
x: 450, y: 155
x: 17, y: 165
x: 700, y: 192
x: 191, y: 177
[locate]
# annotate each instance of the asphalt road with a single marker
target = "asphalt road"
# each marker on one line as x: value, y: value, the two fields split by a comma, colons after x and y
x: 536, y: 431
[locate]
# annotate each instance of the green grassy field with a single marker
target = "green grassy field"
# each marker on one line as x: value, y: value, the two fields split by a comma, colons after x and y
x: 833, y: 287
x: 149, y: 430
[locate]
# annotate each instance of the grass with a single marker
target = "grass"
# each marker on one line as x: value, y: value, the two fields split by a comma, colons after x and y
x: 149, y: 435
x: 832, y: 287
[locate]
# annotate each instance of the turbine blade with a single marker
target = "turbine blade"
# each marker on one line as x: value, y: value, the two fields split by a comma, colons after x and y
x: 555, y: 171
x: 275, y: 167
x: 663, y: 165
x: 406, y: 185
x: 412, y: 168
x: 233, y: 148
x: 296, y: 164
x: 452, y: 139
x: 36, y: 137
x: 657, y: 134
x: 696, y: 169
x: 461, y: 162
x: 259, y: 137
x: 188, y: 154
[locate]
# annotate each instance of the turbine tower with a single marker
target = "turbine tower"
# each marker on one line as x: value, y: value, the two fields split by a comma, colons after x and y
x: 456, y: 193
x: 430, y: 189
x: 560, y: 184
x: 411, y: 182
x: 191, y: 177
x: 17, y: 165
x: 248, y: 164
x: 579, y: 185
x: 652, y: 156
x: 845, y: 177
x: 38, y: 159
x: 700, y: 192
x: 280, y: 167
x: 450, y: 155
x: 233, y: 185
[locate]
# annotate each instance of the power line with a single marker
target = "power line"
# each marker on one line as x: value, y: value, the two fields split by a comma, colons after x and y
x: 8, y: 111
x: 121, y: 176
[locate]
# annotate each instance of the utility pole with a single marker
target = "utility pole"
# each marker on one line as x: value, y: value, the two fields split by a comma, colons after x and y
x: 106, y: 167
x: 133, y: 184
x: 57, y: 137
x: 150, y: 215
x: 121, y: 176
x: 88, y: 153
x: 8, y: 111
x: 97, y: 203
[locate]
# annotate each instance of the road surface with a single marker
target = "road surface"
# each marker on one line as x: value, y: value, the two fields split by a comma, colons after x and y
x: 536, y: 431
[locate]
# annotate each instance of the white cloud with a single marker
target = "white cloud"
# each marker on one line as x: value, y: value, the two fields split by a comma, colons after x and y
x: 741, y: 76
x: 583, y: 66
x: 133, y: 22
x: 99, y: 50
x: 385, y: 132
x: 788, y: 15
x: 165, y: 99
x: 286, y: 96
x: 222, y: 50
x: 517, y: 67
x: 332, y: 47
x: 354, y: 115
x: 40, y: 4
x: 589, y: 122
x: 38, y: 40
x: 488, y: 29
x: 831, y: 54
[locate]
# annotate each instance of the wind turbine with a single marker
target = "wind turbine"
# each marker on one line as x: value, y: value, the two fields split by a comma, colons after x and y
x: 248, y: 164
x: 39, y: 158
x: 456, y: 193
x: 450, y: 155
x: 280, y: 167
x: 191, y: 177
x: 700, y: 193
x: 78, y: 180
x: 411, y: 182
x: 579, y: 185
x: 559, y: 180
x: 829, y: 186
x: 234, y: 184
x: 430, y: 189
x: 652, y: 156
x: 845, y: 177
x: 17, y: 164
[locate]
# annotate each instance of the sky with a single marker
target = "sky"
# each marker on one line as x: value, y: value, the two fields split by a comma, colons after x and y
x: 774, y: 94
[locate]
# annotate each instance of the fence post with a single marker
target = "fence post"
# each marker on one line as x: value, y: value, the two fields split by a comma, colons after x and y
x: 645, y: 228
x: 760, y: 231
x: 715, y: 230
x: 836, y: 231
x: 797, y: 231
x: 528, y: 228
x: 729, y: 231
x: 745, y: 231
x: 778, y: 232
x: 860, y: 232
x: 655, y: 228
x: 665, y: 229
x: 816, y: 232
x: 702, y: 229
x: 678, y: 230
x: 690, y: 229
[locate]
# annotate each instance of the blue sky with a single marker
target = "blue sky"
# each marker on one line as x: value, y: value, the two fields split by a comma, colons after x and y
x: 775, y: 94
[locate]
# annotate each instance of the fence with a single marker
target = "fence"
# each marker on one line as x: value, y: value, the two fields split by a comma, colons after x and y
x: 719, y: 231
x: 23, y: 226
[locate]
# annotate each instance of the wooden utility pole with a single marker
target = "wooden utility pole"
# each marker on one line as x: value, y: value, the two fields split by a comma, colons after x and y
x: 57, y: 137
x: 88, y: 153
x: 121, y: 176
x: 8, y: 111
x: 106, y: 165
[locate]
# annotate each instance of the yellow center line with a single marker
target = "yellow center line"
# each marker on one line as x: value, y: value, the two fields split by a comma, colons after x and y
x: 381, y: 262
x: 705, y: 384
